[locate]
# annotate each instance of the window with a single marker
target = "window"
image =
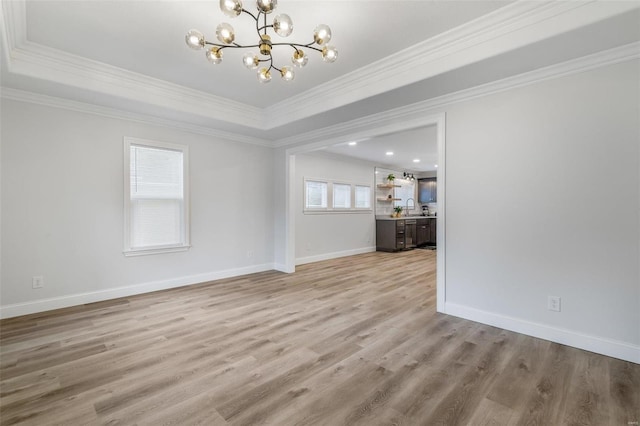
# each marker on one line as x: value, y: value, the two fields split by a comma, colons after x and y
x: 316, y: 195
x: 156, y: 197
x: 326, y: 196
x: 341, y: 196
x: 363, y: 197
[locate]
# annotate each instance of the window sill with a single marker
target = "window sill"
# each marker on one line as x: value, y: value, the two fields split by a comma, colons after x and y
x: 157, y: 250
x: 338, y: 211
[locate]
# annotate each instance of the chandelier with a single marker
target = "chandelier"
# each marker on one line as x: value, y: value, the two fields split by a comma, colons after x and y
x: 283, y: 27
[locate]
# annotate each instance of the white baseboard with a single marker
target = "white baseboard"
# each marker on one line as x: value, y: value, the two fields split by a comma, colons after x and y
x: 281, y: 267
x: 333, y: 255
x: 600, y: 345
x: 35, y: 306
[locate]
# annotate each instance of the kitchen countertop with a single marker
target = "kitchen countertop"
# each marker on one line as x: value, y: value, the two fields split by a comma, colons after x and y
x: 383, y: 217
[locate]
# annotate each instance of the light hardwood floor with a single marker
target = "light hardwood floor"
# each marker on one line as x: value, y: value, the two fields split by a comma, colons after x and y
x: 353, y: 341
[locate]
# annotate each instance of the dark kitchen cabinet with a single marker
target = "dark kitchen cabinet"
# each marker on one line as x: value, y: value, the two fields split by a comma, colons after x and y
x: 390, y: 235
x: 427, y: 190
x: 432, y: 231
x: 422, y: 232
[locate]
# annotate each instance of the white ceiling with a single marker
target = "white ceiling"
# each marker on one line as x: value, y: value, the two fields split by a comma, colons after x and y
x: 407, y: 146
x: 147, y: 37
x: 128, y: 58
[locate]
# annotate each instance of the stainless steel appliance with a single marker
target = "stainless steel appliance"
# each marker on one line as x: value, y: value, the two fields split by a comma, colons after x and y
x: 409, y: 233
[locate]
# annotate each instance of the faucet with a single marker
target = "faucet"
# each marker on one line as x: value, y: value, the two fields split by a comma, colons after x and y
x: 407, y: 206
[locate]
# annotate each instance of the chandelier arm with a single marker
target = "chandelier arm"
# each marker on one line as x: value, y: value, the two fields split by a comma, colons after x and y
x: 271, y: 66
x: 232, y: 46
x: 251, y: 14
x: 296, y: 45
x: 258, y: 23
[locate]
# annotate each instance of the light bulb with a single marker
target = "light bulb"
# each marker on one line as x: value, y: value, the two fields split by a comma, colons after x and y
x: 250, y: 60
x: 194, y: 39
x: 264, y: 76
x: 287, y: 73
x: 214, y: 55
x: 267, y: 6
x: 329, y: 54
x: 231, y: 8
x: 299, y: 59
x: 322, y: 34
x: 225, y: 33
x: 283, y: 25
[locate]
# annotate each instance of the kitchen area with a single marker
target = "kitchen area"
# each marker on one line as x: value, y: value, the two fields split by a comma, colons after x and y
x: 406, y: 210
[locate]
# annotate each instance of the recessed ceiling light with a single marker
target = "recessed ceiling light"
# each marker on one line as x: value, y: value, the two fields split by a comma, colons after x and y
x: 416, y: 160
x: 389, y: 152
x: 353, y: 143
x: 435, y: 165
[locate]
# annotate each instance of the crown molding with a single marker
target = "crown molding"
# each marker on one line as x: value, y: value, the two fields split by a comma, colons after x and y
x: 60, y: 67
x: 14, y: 17
x: 55, y: 102
x: 398, y: 119
x: 505, y: 29
x: 509, y: 27
x: 42, y: 62
x: 411, y: 116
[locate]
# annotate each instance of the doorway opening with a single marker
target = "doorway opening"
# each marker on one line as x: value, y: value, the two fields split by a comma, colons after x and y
x: 366, y: 131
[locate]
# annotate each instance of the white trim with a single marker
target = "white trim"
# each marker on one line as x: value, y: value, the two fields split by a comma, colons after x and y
x: 36, y: 306
x: 600, y: 345
x: 397, y: 119
x: 333, y: 255
x: 337, y: 211
x: 510, y: 27
x: 186, y: 217
x: 507, y: 28
x: 280, y: 267
x: 401, y: 118
x: 55, y: 102
x: 158, y: 250
x: 441, y: 242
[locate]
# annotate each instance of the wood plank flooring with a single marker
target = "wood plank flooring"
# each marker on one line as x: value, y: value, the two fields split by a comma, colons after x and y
x: 352, y: 341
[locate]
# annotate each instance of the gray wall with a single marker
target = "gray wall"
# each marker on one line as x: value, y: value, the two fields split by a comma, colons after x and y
x: 62, y: 209
x: 326, y: 236
x: 543, y: 199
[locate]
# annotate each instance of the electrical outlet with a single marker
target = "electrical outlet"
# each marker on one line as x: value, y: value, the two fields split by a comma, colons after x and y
x: 37, y: 282
x: 553, y: 303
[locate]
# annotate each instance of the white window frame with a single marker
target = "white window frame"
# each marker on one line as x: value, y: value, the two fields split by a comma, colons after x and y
x: 140, y: 251
x: 355, y: 187
x: 333, y: 195
x: 304, y: 201
x: 330, y: 209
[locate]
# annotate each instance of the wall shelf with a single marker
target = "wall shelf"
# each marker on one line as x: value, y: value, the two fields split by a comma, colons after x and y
x: 389, y: 199
x: 388, y: 185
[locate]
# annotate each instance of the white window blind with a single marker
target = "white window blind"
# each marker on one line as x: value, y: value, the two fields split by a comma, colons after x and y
x: 315, y: 194
x: 325, y: 196
x: 341, y: 196
x: 363, y: 197
x: 156, y: 204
